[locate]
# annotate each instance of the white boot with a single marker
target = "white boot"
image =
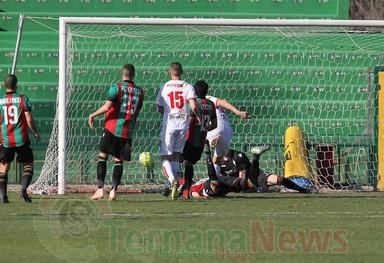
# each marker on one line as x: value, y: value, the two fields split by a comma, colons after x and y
x: 112, y: 195
x: 99, y: 194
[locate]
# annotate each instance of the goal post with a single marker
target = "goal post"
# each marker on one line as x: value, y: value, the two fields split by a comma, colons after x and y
x: 379, y: 81
x: 298, y: 43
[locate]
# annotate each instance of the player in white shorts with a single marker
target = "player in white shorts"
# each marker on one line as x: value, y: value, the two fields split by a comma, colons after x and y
x: 172, y: 102
x: 220, y: 138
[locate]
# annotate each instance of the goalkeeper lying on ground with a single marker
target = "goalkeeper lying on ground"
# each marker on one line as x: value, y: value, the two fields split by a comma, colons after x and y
x: 237, y: 174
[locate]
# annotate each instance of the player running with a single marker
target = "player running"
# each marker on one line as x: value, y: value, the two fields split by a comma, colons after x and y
x: 238, y: 174
x: 197, y: 132
x: 172, y: 102
x: 221, y: 137
x: 16, y: 118
x: 121, y: 110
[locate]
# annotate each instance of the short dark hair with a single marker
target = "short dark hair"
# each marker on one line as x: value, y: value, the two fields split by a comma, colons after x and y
x: 177, y: 68
x: 10, y: 81
x: 128, y: 70
x: 201, y: 88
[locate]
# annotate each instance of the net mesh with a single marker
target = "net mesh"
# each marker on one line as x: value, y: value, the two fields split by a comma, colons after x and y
x: 319, y: 78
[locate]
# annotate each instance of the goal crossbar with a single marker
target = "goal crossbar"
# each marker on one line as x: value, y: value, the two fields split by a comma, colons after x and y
x: 221, y: 22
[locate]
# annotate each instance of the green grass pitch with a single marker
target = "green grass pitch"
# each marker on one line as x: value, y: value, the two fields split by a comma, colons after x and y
x: 276, y: 227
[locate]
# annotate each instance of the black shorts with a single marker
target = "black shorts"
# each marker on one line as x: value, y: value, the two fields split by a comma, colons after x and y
x: 192, y: 154
x: 24, y: 153
x: 117, y: 147
x: 238, y: 184
x: 262, y: 180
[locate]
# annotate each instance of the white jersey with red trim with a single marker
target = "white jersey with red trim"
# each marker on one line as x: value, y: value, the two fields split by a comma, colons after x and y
x: 173, y: 97
x: 223, y: 125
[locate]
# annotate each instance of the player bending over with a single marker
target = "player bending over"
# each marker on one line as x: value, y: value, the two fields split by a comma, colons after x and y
x: 16, y: 118
x: 172, y: 102
x: 221, y: 137
x: 121, y: 110
x: 197, y: 132
x: 238, y: 174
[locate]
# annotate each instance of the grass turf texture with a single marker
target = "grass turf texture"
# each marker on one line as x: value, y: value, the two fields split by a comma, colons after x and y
x: 150, y: 228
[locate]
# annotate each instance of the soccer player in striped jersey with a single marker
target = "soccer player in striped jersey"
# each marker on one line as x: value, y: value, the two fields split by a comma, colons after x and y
x: 121, y: 110
x: 221, y: 137
x: 16, y: 118
x: 172, y: 101
x: 197, y: 132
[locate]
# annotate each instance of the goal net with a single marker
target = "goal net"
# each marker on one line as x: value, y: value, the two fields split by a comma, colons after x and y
x: 320, y: 78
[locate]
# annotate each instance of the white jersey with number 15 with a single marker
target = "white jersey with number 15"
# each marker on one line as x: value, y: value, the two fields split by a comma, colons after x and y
x: 173, y: 97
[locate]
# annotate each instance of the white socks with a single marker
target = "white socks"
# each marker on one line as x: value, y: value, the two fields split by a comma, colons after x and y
x: 168, y: 170
x: 175, y: 169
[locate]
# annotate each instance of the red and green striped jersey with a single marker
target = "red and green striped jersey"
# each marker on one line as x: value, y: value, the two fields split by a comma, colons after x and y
x: 127, y: 100
x: 197, y: 134
x: 14, y: 128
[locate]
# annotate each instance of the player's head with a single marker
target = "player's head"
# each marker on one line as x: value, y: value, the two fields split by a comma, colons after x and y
x: 175, y: 69
x: 201, y: 88
x: 128, y: 72
x: 10, y: 82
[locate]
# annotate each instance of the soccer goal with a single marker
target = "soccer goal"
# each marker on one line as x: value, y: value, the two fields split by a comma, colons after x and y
x: 320, y: 75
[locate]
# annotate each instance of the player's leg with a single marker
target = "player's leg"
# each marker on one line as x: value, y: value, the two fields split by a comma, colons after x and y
x: 191, y: 156
x: 25, y: 156
x: 6, y: 157
x: 254, y: 171
x: 117, y: 173
x: 166, y: 154
x: 212, y: 175
x: 175, y: 165
x: 4, y: 168
x: 26, y: 181
x: 101, y: 169
x: 220, y: 148
x: 101, y: 172
x: 179, y: 144
x: 178, y: 147
x: 188, y: 175
x: 274, y: 179
x: 106, y: 147
x: 124, y: 149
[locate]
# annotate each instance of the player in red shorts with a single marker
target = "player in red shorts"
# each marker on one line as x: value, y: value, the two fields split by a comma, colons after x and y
x: 16, y: 118
x: 121, y: 110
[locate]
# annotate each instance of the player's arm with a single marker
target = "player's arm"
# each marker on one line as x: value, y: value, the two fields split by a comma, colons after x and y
x: 213, y: 120
x: 139, y: 104
x: 160, y: 109
x: 102, y: 110
x: 160, y: 101
x: 32, y: 125
x: 194, y: 108
x: 111, y: 98
x: 29, y: 118
x: 225, y: 104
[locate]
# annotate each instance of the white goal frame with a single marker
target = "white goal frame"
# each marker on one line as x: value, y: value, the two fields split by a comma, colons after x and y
x: 64, y: 21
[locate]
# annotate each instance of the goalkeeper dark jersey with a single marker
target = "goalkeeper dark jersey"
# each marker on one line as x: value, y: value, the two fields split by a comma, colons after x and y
x: 234, y: 162
x: 14, y: 128
x: 127, y: 100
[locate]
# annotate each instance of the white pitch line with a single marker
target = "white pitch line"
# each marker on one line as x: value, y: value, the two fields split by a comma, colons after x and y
x: 309, y: 214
